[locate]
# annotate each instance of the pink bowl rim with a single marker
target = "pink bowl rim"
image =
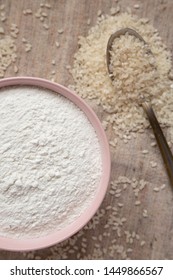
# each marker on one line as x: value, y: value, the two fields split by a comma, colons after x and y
x: 61, y: 235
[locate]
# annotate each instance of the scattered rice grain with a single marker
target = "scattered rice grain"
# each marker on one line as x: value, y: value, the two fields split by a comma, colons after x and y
x: 114, y: 10
x: 137, y: 202
x: 28, y: 47
x: 44, y: 14
x: 120, y: 205
x: 136, y: 6
x: 112, y: 192
x: 47, y: 5
x: 142, y: 243
x: 8, y: 52
x: 145, y: 152
x: 153, y: 164
x: 57, y: 44
x: 99, y: 13
x: 156, y: 189
x: 163, y: 187
x: 46, y: 26
x: 129, y: 250
x: 24, y: 40
x: 27, y: 12
x: 153, y: 144
x: 145, y: 213
x: 137, y: 236
x: 16, y: 69
x: 60, y: 31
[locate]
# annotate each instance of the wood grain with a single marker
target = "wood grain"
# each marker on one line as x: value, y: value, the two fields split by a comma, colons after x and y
x: 72, y: 17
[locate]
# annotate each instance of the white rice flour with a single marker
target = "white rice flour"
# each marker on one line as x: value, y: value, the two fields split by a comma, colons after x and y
x: 50, y: 162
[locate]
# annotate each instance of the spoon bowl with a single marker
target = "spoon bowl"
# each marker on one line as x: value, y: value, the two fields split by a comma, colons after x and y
x: 115, y: 35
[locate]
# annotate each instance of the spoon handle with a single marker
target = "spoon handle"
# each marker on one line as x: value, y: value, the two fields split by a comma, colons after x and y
x: 161, y: 140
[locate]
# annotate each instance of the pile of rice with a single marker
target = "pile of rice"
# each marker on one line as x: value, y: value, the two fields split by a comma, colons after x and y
x: 118, y: 99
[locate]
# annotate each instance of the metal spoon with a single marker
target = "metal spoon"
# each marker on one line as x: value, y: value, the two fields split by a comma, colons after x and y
x: 160, y: 138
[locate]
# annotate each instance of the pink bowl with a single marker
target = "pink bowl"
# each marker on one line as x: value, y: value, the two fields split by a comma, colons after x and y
x: 60, y: 235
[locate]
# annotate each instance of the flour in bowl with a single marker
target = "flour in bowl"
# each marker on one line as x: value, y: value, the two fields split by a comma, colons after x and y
x: 50, y: 162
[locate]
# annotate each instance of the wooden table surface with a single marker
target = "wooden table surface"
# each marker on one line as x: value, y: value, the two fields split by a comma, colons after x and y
x: 152, y: 236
